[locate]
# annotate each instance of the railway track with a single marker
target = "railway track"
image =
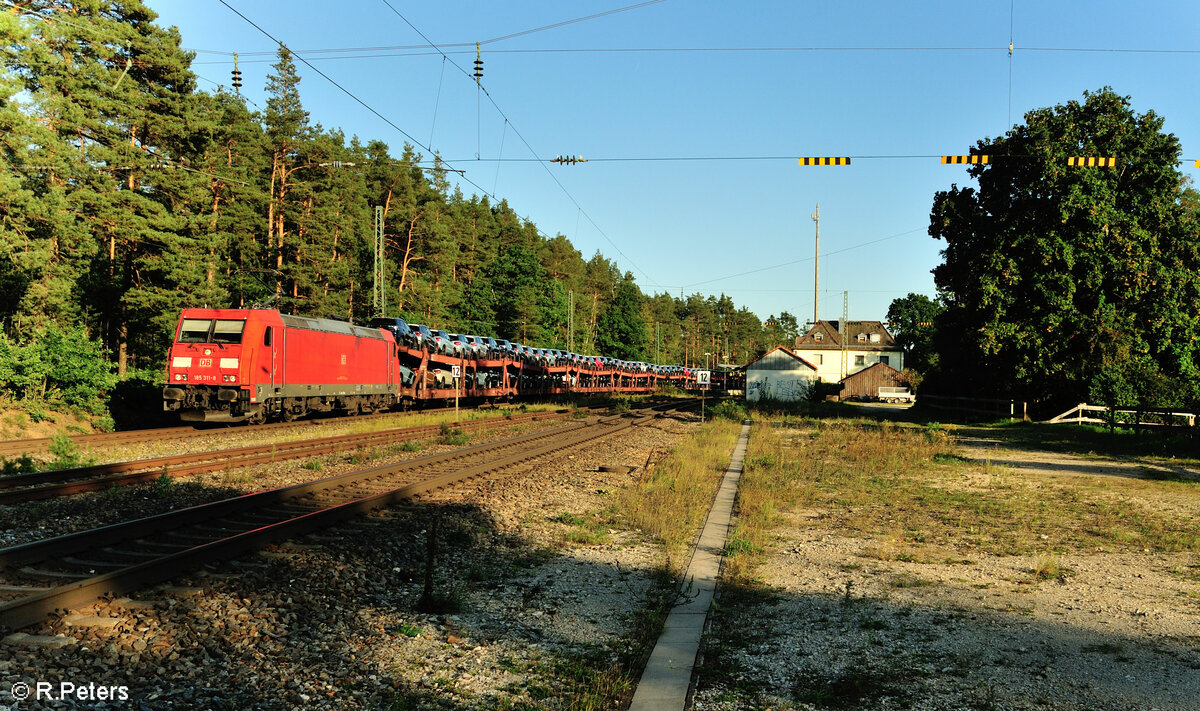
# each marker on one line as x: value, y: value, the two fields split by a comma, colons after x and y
x: 40, y: 445
x: 76, y: 569
x: 47, y: 484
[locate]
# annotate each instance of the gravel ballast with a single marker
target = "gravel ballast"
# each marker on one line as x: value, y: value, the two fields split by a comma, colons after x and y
x: 332, y: 620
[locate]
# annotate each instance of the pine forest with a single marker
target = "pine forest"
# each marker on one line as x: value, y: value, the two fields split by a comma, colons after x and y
x: 129, y: 194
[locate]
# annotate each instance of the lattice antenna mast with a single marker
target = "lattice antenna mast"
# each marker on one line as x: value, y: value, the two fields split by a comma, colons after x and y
x: 379, y: 291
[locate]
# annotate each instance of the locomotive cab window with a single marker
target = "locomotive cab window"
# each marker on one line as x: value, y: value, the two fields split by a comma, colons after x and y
x: 267, y: 336
x: 194, y: 330
x: 228, y: 331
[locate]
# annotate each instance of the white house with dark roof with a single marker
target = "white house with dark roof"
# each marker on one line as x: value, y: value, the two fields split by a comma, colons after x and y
x: 867, y: 343
x: 779, y: 374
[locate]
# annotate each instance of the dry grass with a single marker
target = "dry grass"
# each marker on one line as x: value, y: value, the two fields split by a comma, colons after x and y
x: 1050, y: 567
x: 670, y: 504
x: 905, y: 490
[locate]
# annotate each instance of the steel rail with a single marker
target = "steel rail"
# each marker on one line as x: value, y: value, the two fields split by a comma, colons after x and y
x: 42, y: 485
x: 39, y: 445
x: 295, y: 520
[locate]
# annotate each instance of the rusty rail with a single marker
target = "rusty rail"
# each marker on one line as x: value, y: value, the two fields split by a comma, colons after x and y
x: 253, y: 521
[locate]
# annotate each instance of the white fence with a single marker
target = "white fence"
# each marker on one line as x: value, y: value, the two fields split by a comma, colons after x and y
x: 1081, y: 414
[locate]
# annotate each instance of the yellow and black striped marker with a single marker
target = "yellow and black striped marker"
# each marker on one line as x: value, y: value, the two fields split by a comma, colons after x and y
x: 1197, y: 164
x: 973, y: 160
x: 842, y: 160
x: 1092, y: 162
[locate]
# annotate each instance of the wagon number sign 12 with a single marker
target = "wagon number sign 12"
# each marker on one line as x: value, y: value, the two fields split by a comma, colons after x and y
x: 703, y: 378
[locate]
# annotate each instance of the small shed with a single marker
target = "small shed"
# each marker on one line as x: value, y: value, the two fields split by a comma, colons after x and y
x: 779, y: 375
x: 867, y: 381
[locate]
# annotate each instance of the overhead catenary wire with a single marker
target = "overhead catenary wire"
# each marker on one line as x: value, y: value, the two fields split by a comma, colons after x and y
x: 420, y: 51
x: 347, y: 92
x: 493, y: 40
x: 518, y: 134
x: 804, y: 259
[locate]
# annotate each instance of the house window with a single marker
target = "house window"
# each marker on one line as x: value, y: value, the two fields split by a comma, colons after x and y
x: 886, y: 360
x: 862, y: 338
x: 818, y: 337
x: 874, y: 338
x: 820, y: 359
x: 860, y: 360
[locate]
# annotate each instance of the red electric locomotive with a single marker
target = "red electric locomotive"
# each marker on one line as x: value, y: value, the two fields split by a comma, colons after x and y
x: 232, y: 365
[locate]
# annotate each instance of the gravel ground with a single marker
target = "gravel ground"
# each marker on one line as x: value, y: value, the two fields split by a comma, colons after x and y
x: 834, y: 626
x: 322, y: 624
x: 36, y: 520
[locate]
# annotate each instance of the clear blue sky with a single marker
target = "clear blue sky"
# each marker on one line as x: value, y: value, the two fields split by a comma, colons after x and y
x: 690, y: 223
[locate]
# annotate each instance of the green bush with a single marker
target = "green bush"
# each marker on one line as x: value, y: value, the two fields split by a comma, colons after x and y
x: 732, y: 410
x: 56, y: 368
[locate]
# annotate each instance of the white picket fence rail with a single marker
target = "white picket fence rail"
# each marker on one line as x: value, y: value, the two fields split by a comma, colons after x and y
x: 1080, y: 414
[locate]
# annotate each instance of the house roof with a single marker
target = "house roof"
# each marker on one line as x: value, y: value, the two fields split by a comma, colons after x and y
x: 826, y: 335
x: 786, y: 352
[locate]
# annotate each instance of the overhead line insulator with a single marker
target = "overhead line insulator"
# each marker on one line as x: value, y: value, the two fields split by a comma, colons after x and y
x: 237, y: 75
x: 478, y: 64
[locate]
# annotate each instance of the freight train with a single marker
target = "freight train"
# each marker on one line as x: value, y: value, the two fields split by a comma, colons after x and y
x: 253, y: 365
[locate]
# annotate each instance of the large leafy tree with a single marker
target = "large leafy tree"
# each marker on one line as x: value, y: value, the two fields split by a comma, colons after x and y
x: 1055, y: 278
x: 910, y: 320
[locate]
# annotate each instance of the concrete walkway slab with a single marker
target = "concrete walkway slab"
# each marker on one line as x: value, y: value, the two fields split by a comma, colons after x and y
x: 668, y: 675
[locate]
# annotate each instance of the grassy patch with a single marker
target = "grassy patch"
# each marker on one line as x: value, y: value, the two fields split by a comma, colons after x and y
x: 453, y: 436
x: 406, y: 630
x: 1176, y: 444
x: 854, y: 686
x: 902, y: 581
x: 569, y: 519
x: 906, y: 490
x: 584, y: 530
x: 671, y: 502
x: 23, y: 464
x: 1049, y: 567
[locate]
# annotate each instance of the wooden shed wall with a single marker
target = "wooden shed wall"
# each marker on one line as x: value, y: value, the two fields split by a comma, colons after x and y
x: 867, y: 382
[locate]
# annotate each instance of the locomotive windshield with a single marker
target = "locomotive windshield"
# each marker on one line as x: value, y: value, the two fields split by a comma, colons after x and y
x: 205, y: 330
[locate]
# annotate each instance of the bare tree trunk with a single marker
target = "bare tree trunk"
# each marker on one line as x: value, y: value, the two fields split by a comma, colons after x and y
x: 409, y: 257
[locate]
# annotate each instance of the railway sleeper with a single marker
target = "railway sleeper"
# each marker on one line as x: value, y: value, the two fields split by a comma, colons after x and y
x: 189, y: 537
x: 158, y: 543
x: 141, y: 555
x: 93, y: 564
x: 21, y: 589
x: 54, y: 574
x: 220, y: 530
x: 254, y: 520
